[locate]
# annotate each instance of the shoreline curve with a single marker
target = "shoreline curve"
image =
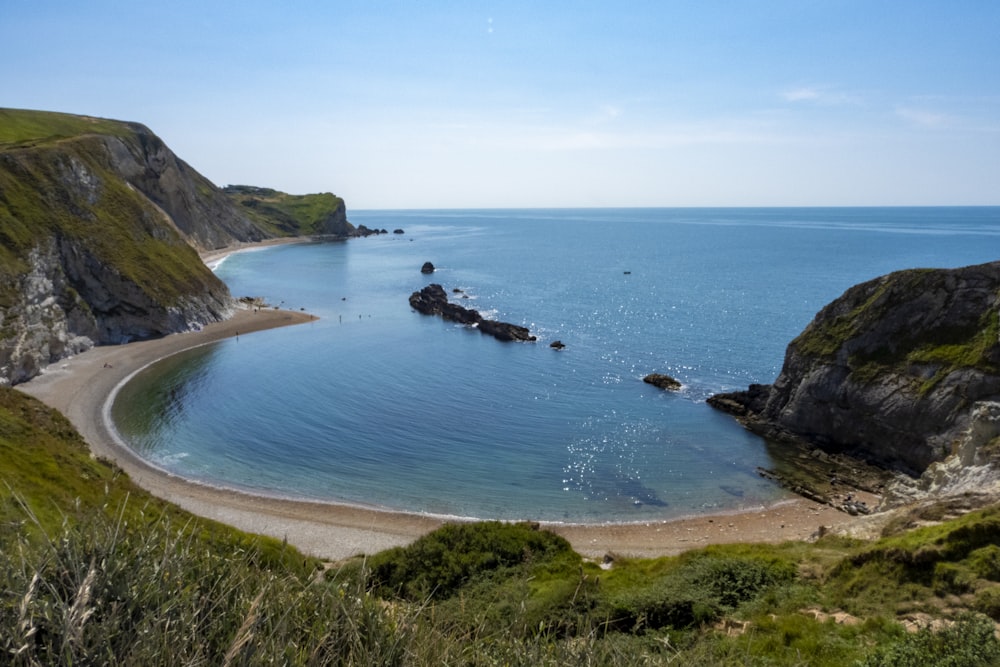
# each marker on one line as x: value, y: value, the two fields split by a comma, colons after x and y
x: 82, y: 387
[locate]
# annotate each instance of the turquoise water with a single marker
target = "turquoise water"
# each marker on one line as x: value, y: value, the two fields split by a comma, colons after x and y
x: 375, y: 404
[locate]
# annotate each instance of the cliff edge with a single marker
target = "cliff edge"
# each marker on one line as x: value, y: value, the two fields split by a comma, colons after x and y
x: 100, y: 228
x: 903, y: 371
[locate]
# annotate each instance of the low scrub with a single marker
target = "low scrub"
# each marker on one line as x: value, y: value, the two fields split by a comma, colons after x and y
x: 438, y: 564
x: 970, y: 642
x: 700, y: 591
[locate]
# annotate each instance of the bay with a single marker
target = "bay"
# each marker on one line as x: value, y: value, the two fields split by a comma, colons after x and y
x: 377, y: 405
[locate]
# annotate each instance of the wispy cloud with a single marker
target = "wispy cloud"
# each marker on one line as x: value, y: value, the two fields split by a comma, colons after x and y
x: 822, y: 95
x: 923, y: 117
x: 801, y: 95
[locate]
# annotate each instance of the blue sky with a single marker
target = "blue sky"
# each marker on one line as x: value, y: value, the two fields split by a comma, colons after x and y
x: 427, y: 104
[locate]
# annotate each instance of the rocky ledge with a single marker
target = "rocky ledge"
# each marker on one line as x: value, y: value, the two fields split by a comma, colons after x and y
x: 902, y: 371
x: 433, y: 300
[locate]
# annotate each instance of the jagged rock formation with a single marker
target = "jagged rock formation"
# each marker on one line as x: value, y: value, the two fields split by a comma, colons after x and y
x: 897, y: 370
x: 433, y: 300
x: 100, y: 224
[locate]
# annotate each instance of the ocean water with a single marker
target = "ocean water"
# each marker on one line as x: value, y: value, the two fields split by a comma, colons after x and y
x: 374, y: 404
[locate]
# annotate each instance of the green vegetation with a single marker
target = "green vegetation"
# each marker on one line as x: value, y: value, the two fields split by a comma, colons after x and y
x: 97, y: 572
x: 68, y: 191
x: 439, y: 564
x: 931, y: 353
x: 282, y: 214
x: 21, y: 127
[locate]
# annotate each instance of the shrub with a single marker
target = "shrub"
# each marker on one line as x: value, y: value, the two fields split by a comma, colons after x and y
x: 438, y: 564
x: 988, y: 602
x: 970, y: 642
x: 985, y: 562
x: 698, y: 592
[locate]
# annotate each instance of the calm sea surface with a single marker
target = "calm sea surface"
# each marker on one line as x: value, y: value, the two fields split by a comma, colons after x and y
x: 377, y: 405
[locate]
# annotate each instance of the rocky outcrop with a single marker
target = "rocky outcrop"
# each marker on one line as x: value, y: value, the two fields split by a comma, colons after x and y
x: 433, y: 300
x: 194, y: 206
x: 427, y: 267
x: 662, y: 381
x: 894, y: 371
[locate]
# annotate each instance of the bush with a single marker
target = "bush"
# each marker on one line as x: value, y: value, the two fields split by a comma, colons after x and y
x: 988, y: 602
x: 698, y: 592
x: 985, y: 562
x: 970, y: 642
x: 438, y: 564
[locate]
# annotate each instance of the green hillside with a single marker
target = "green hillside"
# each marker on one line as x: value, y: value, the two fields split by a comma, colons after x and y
x: 58, y: 180
x: 98, y: 572
x: 282, y: 214
x: 21, y: 127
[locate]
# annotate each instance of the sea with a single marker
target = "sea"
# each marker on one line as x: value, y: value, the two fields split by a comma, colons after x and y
x: 376, y: 405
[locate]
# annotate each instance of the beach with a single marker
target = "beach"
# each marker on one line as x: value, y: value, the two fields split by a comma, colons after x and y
x: 80, y: 388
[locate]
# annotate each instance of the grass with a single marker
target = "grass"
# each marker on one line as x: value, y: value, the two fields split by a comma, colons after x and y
x: 66, y: 192
x: 20, y: 127
x: 283, y: 214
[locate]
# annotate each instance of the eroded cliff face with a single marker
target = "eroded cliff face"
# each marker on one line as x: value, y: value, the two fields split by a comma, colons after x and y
x: 100, y: 224
x: 897, y: 370
x: 98, y: 245
x: 199, y: 210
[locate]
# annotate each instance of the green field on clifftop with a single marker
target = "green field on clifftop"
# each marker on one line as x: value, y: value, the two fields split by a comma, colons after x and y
x: 283, y: 214
x: 19, y: 127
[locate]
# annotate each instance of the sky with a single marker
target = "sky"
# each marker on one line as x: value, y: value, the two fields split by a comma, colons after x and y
x: 426, y: 104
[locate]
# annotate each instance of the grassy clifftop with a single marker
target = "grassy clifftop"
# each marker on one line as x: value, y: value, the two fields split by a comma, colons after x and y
x: 96, y: 571
x: 282, y: 214
x: 22, y: 127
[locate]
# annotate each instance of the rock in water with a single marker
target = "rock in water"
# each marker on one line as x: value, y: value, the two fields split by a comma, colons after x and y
x: 427, y: 268
x: 433, y: 300
x: 662, y: 381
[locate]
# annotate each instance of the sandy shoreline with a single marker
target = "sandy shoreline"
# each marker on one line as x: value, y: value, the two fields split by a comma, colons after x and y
x: 79, y: 387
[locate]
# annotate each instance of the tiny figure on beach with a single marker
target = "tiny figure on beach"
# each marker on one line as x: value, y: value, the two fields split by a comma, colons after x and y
x: 107, y: 365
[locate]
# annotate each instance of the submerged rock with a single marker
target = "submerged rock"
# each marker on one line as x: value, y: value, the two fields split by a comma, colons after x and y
x: 427, y: 268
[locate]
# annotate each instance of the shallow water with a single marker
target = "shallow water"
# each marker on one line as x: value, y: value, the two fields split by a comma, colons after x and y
x: 378, y: 405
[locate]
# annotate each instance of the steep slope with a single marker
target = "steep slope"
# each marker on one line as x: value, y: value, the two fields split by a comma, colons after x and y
x: 100, y: 224
x: 900, y: 370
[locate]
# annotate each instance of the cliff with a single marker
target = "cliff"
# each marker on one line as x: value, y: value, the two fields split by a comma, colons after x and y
x: 100, y: 228
x: 282, y: 214
x: 903, y: 371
